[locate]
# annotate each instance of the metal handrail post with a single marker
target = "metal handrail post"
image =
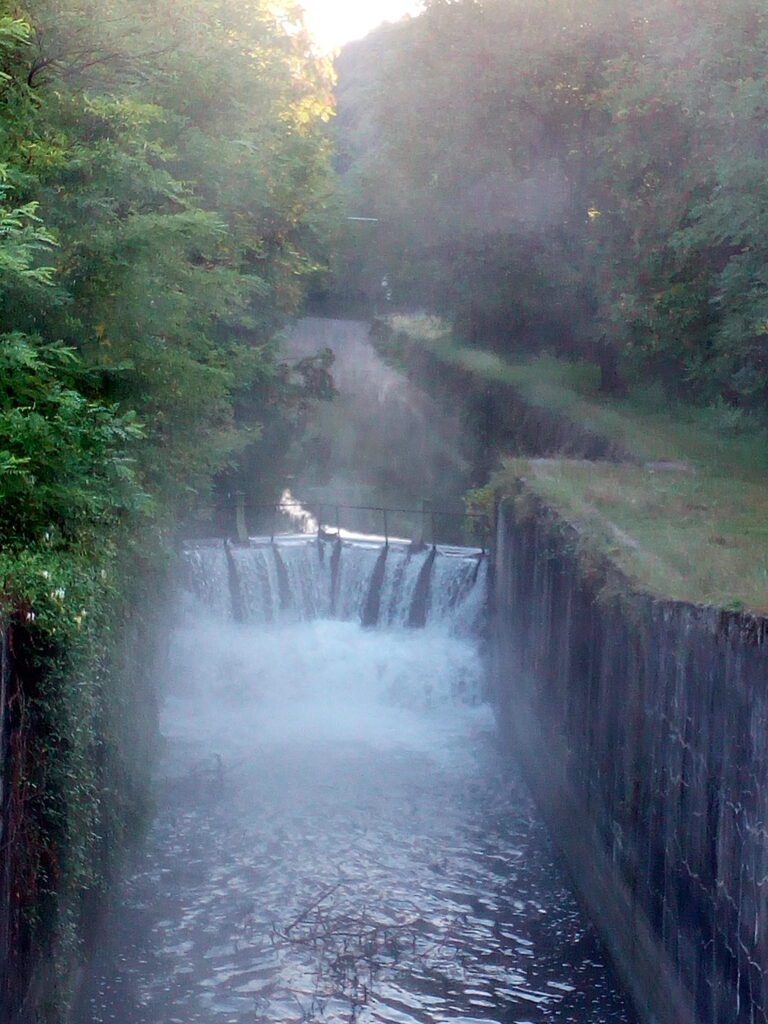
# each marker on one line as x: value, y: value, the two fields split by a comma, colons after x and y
x: 240, y: 528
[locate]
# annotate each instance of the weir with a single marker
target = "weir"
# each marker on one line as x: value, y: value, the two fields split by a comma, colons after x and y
x: 368, y: 580
x: 338, y: 837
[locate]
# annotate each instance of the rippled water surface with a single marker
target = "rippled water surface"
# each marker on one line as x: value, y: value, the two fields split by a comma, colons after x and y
x: 337, y: 839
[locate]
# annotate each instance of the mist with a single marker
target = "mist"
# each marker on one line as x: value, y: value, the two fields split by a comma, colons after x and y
x: 261, y: 672
x: 337, y: 837
x: 383, y: 440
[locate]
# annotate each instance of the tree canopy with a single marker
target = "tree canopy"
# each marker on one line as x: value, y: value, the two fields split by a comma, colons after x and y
x: 164, y: 173
x: 579, y: 177
x: 164, y: 188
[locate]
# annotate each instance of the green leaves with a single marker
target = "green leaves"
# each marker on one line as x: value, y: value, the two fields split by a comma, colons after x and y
x: 176, y: 156
x: 65, y: 460
x: 23, y: 243
x: 551, y: 174
x: 14, y: 34
x: 161, y: 206
x: 682, y: 184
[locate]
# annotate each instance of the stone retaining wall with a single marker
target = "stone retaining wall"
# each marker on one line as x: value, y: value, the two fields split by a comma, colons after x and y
x: 497, y: 417
x: 644, y: 727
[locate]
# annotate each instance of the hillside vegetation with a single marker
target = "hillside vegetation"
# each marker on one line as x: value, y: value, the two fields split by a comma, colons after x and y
x: 587, y: 179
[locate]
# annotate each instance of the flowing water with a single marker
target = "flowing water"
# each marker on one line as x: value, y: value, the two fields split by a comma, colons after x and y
x: 337, y: 837
x: 347, y: 577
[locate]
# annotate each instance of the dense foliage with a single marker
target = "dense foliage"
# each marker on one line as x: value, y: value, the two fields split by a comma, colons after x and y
x: 587, y: 178
x: 163, y: 180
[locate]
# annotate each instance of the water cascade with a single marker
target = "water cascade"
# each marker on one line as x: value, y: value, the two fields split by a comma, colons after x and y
x: 366, y: 580
x: 338, y: 839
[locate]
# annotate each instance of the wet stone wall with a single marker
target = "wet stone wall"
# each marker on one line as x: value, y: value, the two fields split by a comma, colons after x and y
x: 644, y: 726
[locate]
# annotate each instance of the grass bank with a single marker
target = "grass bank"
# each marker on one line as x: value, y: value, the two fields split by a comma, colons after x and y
x: 690, y: 537
x: 688, y: 520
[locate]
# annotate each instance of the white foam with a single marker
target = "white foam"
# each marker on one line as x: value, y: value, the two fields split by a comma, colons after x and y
x: 235, y: 688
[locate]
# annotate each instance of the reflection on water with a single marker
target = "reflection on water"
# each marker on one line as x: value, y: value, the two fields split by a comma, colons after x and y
x: 383, y: 441
x: 300, y: 518
x: 338, y: 840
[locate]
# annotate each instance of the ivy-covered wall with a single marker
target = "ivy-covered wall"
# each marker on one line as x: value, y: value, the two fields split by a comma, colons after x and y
x: 644, y: 726
x: 5, y: 880
x: 78, y: 736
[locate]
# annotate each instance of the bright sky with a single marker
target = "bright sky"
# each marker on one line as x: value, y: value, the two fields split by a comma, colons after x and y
x: 335, y: 22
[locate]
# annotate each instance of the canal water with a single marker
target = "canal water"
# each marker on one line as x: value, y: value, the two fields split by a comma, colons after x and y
x: 338, y: 837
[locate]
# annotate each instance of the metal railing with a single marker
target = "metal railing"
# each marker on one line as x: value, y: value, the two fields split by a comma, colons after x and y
x: 428, y: 524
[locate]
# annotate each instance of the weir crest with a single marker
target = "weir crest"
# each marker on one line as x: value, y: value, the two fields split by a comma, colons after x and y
x: 351, y: 578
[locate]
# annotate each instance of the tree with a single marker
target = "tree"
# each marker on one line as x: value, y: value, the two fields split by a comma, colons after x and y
x: 185, y: 189
x: 478, y: 160
x: 580, y: 177
x: 679, y: 239
x: 162, y: 203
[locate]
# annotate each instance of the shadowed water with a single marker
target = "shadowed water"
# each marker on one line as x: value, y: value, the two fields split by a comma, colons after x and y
x: 383, y: 441
x: 338, y: 839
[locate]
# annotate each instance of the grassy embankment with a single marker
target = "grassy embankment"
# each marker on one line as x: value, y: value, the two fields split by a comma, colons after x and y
x: 688, y: 521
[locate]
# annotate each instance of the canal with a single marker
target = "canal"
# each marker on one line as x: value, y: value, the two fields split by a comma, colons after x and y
x: 337, y: 836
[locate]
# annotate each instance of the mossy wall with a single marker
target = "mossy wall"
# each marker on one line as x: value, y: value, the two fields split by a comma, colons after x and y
x: 644, y: 727
x: 78, y: 736
x: 5, y: 875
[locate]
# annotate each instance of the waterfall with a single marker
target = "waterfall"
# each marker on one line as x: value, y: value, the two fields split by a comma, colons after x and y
x: 364, y: 579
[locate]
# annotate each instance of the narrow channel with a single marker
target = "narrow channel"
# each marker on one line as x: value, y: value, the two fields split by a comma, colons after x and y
x: 338, y: 837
